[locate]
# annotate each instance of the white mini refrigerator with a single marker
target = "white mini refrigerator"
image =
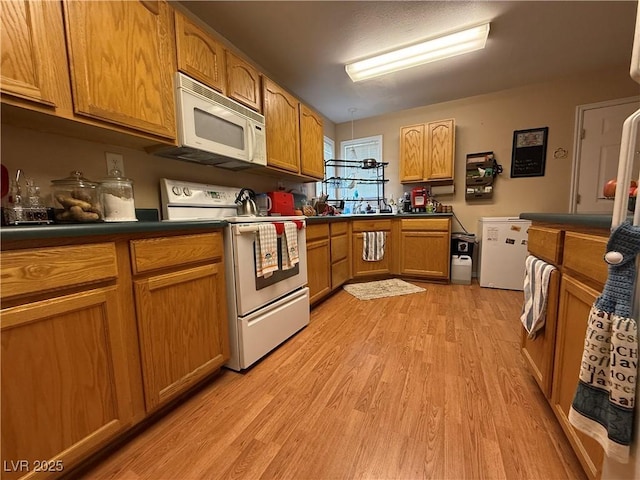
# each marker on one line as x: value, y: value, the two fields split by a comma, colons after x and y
x: 503, y: 251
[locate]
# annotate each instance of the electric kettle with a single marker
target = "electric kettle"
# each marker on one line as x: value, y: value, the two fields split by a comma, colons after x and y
x: 246, y: 203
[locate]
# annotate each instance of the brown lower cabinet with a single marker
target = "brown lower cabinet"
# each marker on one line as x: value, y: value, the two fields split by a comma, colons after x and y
x: 555, y: 355
x: 65, y: 383
x: 77, y: 371
x: 576, y: 299
x: 416, y: 247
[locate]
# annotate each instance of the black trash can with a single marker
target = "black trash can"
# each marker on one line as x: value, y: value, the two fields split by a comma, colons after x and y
x: 462, y: 243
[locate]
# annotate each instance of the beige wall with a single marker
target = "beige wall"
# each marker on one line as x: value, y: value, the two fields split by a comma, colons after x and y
x: 483, y: 123
x: 45, y: 157
x: 486, y: 123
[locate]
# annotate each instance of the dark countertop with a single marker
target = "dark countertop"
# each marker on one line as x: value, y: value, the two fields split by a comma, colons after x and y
x: 41, y: 232
x: 152, y: 225
x: 579, y: 219
x: 374, y: 216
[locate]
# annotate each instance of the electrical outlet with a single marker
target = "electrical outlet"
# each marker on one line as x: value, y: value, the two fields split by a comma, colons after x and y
x: 280, y: 185
x: 114, y: 160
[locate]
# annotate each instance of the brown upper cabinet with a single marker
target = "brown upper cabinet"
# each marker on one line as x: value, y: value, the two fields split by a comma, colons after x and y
x: 282, y: 127
x: 122, y: 62
x: 199, y: 55
x: 243, y: 82
x: 311, y: 143
x: 28, y: 50
x: 427, y: 152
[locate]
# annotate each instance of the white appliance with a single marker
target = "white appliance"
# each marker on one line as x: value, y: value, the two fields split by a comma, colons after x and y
x: 502, y: 252
x: 214, y: 129
x: 262, y: 312
x: 630, y: 131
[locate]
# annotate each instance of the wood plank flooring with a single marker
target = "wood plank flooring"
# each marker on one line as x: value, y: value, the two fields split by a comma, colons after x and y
x: 429, y: 385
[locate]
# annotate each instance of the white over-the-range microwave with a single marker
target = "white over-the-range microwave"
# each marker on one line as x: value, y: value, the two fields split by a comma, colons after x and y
x: 215, y: 130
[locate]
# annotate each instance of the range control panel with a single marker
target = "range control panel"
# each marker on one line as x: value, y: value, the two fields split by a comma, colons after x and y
x: 177, y: 192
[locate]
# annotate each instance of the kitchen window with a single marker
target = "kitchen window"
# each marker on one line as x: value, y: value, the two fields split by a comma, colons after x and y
x: 359, y: 149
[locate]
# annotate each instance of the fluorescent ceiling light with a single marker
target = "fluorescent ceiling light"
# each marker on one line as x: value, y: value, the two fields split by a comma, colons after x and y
x: 438, y: 48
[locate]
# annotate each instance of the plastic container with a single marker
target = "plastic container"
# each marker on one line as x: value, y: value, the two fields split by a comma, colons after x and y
x: 76, y: 199
x: 461, y: 269
x: 117, y: 198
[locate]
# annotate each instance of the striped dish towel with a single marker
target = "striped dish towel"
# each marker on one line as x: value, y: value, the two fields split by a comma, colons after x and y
x: 289, y: 246
x: 266, y: 250
x: 536, y: 286
x: 373, y: 246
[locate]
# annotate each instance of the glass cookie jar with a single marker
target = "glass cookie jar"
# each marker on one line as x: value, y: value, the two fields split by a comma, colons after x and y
x: 117, y: 198
x: 76, y: 199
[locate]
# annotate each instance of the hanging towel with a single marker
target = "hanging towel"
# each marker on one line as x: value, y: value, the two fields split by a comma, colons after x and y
x: 536, y: 286
x: 289, y: 246
x: 373, y: 246
x: 604, y: 403
x: 266, y: 250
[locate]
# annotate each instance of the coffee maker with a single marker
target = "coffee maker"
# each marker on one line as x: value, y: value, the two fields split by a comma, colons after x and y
x: 419, y: 200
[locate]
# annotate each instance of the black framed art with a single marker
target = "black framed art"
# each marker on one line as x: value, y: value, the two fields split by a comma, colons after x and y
x: 529, y: 152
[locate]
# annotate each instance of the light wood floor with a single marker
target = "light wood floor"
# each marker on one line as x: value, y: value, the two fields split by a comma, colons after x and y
x: 429, y: 385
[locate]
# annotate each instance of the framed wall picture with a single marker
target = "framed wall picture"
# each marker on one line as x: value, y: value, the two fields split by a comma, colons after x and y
x: 529, y: 152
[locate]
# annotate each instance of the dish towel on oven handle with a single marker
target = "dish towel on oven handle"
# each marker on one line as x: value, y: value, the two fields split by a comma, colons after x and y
x: 604, y: 403
x: 373, y: 246
x: 266, y: 250
x: 289, y: 246
x: 536, y: 287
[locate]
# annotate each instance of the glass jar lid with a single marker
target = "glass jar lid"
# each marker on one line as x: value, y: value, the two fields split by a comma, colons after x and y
x: 115, y: 177
x: 75, y: 179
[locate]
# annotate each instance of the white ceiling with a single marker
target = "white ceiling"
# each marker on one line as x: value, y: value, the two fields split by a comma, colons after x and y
x: 303, y: 46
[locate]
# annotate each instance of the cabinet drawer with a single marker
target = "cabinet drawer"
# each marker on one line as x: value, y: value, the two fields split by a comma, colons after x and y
x: 371, y: 225
x: 425, y: 224
x: 339, y: 228
x: 584, y: 254
x: 546, y: 243
x: 155, y: 253
x: 339, y: 248
x: 318, y: 230
x: 41, y: 269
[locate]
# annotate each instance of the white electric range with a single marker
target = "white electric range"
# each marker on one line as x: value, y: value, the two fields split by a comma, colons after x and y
x: 263, y: 312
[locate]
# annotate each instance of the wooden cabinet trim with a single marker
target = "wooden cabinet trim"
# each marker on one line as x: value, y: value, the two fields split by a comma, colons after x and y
x: 43, y: 269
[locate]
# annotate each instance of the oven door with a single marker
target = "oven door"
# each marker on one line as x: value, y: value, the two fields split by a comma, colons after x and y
x: 254, y: 292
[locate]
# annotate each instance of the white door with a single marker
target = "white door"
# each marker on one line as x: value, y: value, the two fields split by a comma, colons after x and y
x: 599, y: 154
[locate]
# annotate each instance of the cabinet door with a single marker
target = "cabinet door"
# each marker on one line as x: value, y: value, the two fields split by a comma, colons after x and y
x: 440, y: 150
x: 425, y: 254
x: 282, y: 127
x: 122, y: 56
x: 33, y: 52
x: 412, y: 153
x: 199, y: 55
x: 318, y: 269
x: 363, y: 268
x: 538, y: 352
x: 243, y: 82
x: 182, y: 322
x: 65, y: 386
x: 311, y: 143
x: 576, y: 300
